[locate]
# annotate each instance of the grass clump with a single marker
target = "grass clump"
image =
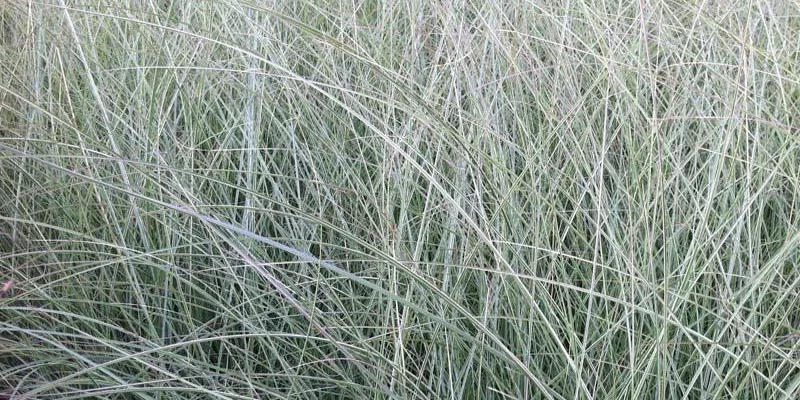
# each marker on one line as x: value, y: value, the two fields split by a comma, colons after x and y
x: 420, y: 200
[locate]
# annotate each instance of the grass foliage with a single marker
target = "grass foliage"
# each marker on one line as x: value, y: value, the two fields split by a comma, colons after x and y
x: 400, y: 200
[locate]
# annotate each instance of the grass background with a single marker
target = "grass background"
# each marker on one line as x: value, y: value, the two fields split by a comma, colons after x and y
x: 400, y: 200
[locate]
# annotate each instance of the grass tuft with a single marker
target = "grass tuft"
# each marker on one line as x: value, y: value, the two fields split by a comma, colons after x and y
x: 423, y: 200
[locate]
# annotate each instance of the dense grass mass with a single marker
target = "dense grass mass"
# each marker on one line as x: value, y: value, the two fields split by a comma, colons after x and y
x: 399, y: 200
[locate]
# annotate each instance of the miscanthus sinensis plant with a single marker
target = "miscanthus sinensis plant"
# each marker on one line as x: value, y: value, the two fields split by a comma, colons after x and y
x: 399, y: 200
